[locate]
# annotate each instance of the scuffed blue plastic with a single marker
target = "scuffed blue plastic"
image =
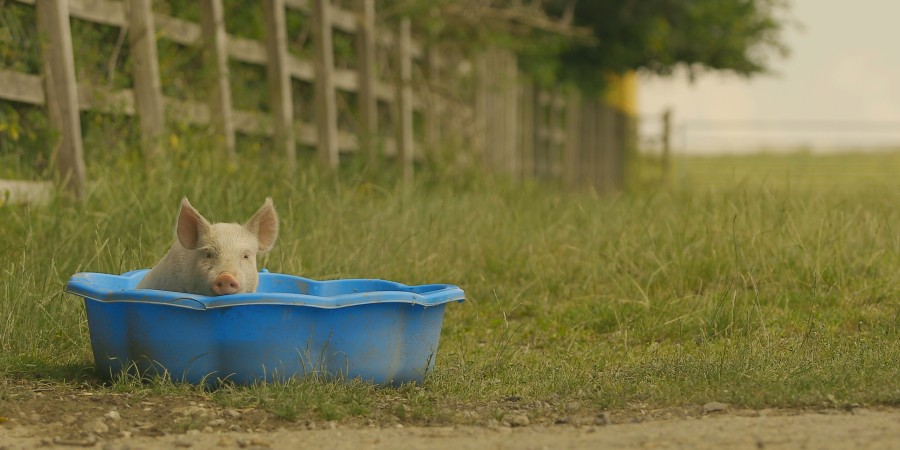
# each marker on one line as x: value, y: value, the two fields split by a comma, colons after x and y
x: 376, y: 330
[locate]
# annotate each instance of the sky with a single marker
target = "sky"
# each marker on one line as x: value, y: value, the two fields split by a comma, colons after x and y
x: 838, y: 89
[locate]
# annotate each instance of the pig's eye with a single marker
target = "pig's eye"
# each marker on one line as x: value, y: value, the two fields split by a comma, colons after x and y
x: 209, y: 255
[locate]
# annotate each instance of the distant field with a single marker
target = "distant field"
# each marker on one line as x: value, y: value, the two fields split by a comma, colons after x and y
x: 759, y: 281
x: 792, y: 169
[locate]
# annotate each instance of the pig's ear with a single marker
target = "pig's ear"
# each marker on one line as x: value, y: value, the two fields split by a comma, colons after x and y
x: 264, y: 225
x: 191, y: 225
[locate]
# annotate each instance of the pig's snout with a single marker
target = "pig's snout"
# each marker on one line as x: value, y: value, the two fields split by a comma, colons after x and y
x: 225, y: 284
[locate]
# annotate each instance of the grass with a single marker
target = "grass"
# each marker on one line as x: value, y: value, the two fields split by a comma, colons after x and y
x: 759, y: 281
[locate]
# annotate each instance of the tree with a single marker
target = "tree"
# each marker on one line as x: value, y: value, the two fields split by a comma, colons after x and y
x: 737, y: 36
x: 579, y: 40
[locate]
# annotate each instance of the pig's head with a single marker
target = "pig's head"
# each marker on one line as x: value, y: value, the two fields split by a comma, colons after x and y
x: 220, y: 258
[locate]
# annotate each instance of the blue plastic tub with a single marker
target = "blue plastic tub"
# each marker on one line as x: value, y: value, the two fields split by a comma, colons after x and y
x: 377, y: 330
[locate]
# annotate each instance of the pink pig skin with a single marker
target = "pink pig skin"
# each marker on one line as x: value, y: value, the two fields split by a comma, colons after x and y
x: 214, y: 259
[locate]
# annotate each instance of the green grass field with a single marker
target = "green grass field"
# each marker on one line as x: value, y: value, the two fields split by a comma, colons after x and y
x: 758, y: 281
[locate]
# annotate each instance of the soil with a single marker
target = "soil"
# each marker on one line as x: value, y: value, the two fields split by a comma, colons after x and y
x: 35, y: 416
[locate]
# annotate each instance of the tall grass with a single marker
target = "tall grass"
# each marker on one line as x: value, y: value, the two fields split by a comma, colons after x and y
x: 736, y: 289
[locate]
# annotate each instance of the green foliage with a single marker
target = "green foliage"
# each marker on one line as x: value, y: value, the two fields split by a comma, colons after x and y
x: 659, y: 35
x: 244, y: 18
x: 181, y: 75
x: 19, y: 46
x: 25, y: 137
x: 102, y: 54
x: 248, y: 86
x: 469, y: 27
x: 180, y: 9
x: 25, y: 142
x: 610, y: 36
x: 344, y: 50
x: 299, y: 33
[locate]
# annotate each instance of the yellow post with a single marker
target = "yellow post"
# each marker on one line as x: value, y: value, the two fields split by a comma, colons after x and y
x: 621, y: 97
x: 621, y: 93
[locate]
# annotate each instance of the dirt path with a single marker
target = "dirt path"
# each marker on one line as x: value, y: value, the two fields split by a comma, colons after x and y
x: 861, y: 429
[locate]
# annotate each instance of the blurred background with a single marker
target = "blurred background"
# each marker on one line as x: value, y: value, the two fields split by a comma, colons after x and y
x: 837, y: 90
x: 603, y: 95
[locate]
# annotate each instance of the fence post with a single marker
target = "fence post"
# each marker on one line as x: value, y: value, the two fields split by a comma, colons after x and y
x: 602, y: 131
x: 404, y: 108
x: 626, y: 136
x: 512, y: 157
x: 480, y: 105
x: 499, y: 79
x: 279, y: 81
x: 572, y: 155
x: 527, y: 127
x: 553, y: 148
x: 326, y: 101
x: 589, y: 148
x: 541, y: 152
x: 216, y: 61
x: 667, y: 146
x: 433, y: 108
x: 619, y: 148
x: 62, y: 93
x: 368, y: 102
x: 484, y: 108
x: 147, y: 86
x: 598, y: 157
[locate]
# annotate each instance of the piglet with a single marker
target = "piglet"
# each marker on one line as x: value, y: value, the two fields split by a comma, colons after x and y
x: 214, y: 259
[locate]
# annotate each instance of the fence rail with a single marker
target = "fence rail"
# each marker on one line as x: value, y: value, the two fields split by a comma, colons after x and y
x: 660, y: 134
x: 512, y: 126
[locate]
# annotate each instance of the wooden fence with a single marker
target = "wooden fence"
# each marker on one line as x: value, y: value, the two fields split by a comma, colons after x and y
x: 511, y: 126
x: 552, y: 134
